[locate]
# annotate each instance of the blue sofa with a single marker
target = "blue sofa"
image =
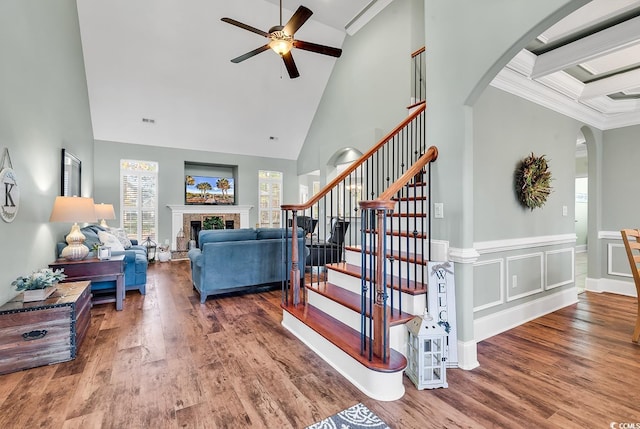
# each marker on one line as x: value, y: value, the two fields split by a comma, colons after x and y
x: 135, y: 261
x: 230, y: 260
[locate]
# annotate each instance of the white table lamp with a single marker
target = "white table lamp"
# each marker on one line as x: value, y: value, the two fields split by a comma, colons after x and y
x: 74, y: 209
x: 105, y: 212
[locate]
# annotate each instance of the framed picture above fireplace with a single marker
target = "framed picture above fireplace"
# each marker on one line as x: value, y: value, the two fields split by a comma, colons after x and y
x: 209, y: 190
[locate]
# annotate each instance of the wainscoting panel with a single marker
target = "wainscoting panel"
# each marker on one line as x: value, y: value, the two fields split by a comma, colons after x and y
x: 524, y: 275
x: 617, y: 261
x: 560, y: 268
x: 488, y: 284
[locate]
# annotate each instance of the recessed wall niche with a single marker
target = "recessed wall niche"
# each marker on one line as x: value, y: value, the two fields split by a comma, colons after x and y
x: 210, y: 184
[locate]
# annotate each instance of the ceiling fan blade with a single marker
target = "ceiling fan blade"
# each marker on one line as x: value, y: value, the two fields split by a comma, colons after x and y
x: 296, y: 21
x: 318, y: 49
x: 291, y: 65
x: 245, y: 26
x: 250, y: 54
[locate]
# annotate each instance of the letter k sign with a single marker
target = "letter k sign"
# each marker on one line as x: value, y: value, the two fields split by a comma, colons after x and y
x: 11, y: 195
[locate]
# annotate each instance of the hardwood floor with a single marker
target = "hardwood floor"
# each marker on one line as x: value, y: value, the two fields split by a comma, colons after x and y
x: 168, y: 362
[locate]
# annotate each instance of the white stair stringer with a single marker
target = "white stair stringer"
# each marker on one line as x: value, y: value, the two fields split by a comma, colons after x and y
x: 398, y: 334
x: 381, y: 386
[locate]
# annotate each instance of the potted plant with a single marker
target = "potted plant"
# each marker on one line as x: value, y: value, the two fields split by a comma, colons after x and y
x: 213, y: 222
x: 39, y: 285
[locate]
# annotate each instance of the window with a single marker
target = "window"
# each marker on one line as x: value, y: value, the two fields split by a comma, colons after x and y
x: 270, y: 184
x: 139, y: 199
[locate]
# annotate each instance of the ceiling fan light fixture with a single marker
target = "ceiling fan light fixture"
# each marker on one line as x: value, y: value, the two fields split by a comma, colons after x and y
x: 281, y: 47
x: 281, y: 43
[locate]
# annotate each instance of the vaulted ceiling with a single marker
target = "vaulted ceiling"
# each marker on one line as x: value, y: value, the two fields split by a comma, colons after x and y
x: 159, y: 71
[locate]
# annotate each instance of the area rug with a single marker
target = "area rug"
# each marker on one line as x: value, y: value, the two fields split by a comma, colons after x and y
x: 356, y: 417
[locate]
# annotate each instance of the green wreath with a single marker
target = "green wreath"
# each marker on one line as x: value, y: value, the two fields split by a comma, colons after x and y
x: 533, y: 181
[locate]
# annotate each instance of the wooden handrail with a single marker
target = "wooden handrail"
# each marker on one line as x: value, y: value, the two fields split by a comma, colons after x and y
x: 418, y: 52
x: 384, y: 201
x: 324, y: 191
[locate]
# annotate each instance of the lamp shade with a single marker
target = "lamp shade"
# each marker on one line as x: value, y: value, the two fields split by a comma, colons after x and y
x: 105, y: 211
x: 73, y: 209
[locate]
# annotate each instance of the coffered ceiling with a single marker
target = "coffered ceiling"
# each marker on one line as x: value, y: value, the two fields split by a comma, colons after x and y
x: 587, y: 66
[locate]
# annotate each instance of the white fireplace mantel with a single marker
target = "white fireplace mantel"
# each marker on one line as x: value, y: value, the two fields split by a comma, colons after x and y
x: 177, y: 212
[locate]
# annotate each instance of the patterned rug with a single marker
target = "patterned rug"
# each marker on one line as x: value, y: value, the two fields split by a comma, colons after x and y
x: 356, y: 417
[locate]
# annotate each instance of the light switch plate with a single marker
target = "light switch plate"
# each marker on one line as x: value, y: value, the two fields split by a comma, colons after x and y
x: 438, y: 210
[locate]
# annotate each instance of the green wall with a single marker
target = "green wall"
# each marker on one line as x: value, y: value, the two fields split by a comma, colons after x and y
x: 619, y: 162
x: 369, y: 89
x: 468, y: 43
x: 506, y: 129
x: 44, y: 107
x: 171, y: 176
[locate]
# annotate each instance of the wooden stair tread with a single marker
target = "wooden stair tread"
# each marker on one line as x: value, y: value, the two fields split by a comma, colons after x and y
x: 343, y: 337
x: 394, y: 233
x: 420, y: 198
x: 407, y: 214
x: 406, y: 286
x: 352, y: 301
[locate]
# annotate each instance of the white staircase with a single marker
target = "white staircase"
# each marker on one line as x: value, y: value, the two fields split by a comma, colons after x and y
x: 330, y: 322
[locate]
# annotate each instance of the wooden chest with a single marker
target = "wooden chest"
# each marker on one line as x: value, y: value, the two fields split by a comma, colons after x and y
x: 44, y: 332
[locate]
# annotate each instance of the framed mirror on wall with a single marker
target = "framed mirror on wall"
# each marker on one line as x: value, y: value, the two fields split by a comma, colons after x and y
x: 71, y: 174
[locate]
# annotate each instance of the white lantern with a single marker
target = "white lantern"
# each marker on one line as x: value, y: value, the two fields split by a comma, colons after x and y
x: 426, y: 353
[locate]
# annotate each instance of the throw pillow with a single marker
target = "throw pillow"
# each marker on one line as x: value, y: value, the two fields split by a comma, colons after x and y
x: 110, y: 240
x: 121, y: 236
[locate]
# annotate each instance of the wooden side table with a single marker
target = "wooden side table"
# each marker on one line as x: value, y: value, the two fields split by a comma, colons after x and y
x: 44, y: 332
x: 96, y: 270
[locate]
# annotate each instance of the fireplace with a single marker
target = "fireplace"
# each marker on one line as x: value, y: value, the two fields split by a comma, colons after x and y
x: 182, y: 216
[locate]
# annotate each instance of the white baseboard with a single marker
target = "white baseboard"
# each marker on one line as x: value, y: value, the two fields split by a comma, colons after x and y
x: 468, y: 355
x: 611, y: 285
x: 504, y: 320
x: 581, y: 248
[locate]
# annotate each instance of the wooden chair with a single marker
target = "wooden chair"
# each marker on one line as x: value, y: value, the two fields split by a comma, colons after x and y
x: 631, y: 238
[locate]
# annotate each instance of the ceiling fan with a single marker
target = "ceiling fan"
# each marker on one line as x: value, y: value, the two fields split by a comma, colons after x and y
x: 282, y: 41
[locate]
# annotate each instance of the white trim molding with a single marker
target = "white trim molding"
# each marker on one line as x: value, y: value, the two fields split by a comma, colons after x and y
x: 610, y: 271
x: 500, y: 263
x: 546, y: 271
x: 532, y: 291
x: 501, y: 321
x: 609, y: 235
x: 524, y: 243
x: 612, y: 286
x: 365, y: 15
x: 468, y: 355
x: 463, y: 255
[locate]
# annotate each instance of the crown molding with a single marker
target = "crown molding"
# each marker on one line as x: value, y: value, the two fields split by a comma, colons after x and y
x: 559, y: 93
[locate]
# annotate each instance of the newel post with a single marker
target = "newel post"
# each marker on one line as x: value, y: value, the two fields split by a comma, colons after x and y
x: 294, y: 275
x: 381, y: 313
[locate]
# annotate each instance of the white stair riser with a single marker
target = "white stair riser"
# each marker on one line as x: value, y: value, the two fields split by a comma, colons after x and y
x: 404, y: 244
x: 397, y: 334
x: 419, y: 224
x: 399, y: 267
x: 421, y: 206
x: 412, y: 304
x: 382, y: 386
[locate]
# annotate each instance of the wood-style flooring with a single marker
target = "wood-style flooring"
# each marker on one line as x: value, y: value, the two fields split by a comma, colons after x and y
x: 167, y: 361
